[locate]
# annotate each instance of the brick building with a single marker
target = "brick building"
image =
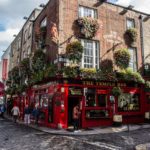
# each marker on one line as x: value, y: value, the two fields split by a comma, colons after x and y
x: 59, y: 24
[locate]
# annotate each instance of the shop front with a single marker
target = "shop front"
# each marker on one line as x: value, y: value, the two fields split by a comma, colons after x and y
x: 98, y: 105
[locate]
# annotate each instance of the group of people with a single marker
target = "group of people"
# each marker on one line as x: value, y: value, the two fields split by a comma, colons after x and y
x: 36, y: 113
x: 27, y: 114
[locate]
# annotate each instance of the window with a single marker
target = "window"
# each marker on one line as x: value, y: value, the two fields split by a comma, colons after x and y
x: 128, y: 102
x: 19, y: 44
x: 130, y: 23
x: 133, y: 59
x: 25, y: 36
x: 87, y: 12
x: 102, y: 100
x: 90, y: 97
x: 90, y: 58
x: 43, y: 22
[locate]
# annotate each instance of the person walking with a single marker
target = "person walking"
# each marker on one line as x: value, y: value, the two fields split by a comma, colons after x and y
x: 15, y: 112
x: 2, y: 108
x: 76, y: 117
x: 27, y: 113
x: 36, y: 114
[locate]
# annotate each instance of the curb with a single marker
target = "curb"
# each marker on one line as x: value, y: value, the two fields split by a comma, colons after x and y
x: 93, y: 131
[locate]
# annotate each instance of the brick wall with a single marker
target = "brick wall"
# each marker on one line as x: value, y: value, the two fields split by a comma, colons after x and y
x: 112, y: 26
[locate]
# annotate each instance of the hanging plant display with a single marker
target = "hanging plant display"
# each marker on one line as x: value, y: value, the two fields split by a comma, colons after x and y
x: 74, y: 51
x: 122, y: 58
x: 116, y: 91
x: 71, y: 72
x: 38, y: 61
x: 88, y: 26
x: 106, y: 65
x: 25, y: 67
x: 132, y: 35
x: 88, y: 73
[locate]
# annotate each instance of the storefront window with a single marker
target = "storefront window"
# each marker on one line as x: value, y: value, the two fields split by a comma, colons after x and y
x: 128, y: 102
x: 102, y: 100
x: 44, y: 100
x: 96, y: 114
x: 91, y: 97
x: 148, y: 99
x: 37, y: 100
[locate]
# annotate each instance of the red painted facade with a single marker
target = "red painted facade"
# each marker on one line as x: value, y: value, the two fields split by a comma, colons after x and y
x: 57, y: 99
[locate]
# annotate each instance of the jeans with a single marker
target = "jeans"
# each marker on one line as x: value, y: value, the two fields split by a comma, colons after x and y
x: 76, y: 124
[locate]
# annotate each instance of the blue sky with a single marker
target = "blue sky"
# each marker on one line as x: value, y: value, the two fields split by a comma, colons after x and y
x: 13, y: 11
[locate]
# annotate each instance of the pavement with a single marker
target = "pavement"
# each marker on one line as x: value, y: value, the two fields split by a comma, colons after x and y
x: 89, y: 131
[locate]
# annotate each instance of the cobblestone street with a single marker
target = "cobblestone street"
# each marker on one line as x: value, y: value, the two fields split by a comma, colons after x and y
x: 19, y: 137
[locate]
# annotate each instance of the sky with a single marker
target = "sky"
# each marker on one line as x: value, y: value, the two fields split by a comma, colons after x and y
x: 13, y: 11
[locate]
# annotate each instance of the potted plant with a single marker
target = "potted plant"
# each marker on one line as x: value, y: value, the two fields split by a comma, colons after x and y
x: 88, y: 26
x: 116, y: 91
x: 122, y: 58
x: 132, y: 35
x: 74, y: 51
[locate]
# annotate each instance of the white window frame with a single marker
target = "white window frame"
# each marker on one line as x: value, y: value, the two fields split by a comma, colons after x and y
x: 133, y: 59
x: 95, y: 47
x: 132, y: 23
x: 43, y: 22
x: 84, y: 11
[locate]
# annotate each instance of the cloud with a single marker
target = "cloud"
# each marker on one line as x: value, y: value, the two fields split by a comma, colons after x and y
x: 11, y: 18
x: 142, y: 6
x: 13, y: 11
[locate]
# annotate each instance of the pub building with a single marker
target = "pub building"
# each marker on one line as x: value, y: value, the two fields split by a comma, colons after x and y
x: 97, y: 104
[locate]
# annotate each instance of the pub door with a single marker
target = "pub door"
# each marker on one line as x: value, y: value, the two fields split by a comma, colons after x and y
x: 72, y: 101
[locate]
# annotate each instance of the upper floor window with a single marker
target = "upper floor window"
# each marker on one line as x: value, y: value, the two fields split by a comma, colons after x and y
x: 90, y: 58
x: 133, y: 60
x: 43, y: 22
x: 87, y: 12
x: 19, y: 44
x: 130, y: 23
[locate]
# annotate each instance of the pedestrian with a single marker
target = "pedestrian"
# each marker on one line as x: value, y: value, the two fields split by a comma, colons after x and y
x: 27, y: 112
x: 15, y: 112
x: 2, y: 108
x: 36, y: 114
x: 76, y: 117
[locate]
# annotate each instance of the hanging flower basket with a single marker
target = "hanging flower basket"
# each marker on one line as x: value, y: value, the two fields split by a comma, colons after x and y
x: 132, y: 35
x: 116, y: 91
x: 122, y: 58
x: 88, y: 26
x: 106, y: 65
x: 74, y: 51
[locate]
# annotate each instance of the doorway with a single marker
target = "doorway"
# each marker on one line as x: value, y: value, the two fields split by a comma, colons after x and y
x: 72, y: 101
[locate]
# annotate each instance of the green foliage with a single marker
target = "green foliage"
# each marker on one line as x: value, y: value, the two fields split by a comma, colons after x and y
x: 106, y: 76
x: 50, y: 71
x: 147, y: 84
x: 89, y: 26
x: 106, y: 65
x: 70, y: 72
x: 38, y: 61
x: 116, y: 91
x: 129, y: 75
x: 122, y: 58
x: 15, y: 75
x: 132, y: 34
x: 74, y: 51
x: 88, y: 73
x: 25, y: 67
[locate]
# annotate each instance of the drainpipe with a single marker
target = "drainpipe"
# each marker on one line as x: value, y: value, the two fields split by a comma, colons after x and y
x: 142, y: 40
